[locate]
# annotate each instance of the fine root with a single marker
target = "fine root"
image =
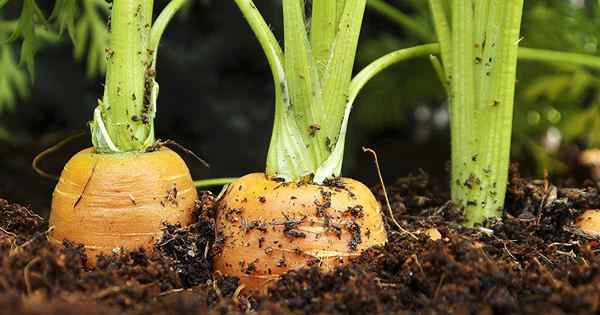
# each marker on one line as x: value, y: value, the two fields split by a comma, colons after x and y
x: 42, y: 155
x: 385, y: 194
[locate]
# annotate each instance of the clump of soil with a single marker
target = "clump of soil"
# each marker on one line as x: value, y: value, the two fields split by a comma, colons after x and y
x: 189, y: 248
x: 531, y: 261
x: 39, y: 277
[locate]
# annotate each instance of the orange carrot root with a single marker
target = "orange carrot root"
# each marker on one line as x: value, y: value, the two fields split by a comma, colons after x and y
x: 112, y: 201
x: 269, y: 227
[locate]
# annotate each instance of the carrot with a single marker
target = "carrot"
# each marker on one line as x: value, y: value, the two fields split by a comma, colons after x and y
x: 119, y: 193
x: 113, y: 201
x: 301, y: 212
x: 271, y: 227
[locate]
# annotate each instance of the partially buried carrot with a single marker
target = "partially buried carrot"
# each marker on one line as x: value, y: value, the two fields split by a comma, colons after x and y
x: 271, y: 227
x: 119, y: 193
x: 113, y: 201
x: 301, y: 212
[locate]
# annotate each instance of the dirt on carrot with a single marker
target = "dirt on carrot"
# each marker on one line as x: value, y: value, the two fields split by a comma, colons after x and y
x: 533, y: 261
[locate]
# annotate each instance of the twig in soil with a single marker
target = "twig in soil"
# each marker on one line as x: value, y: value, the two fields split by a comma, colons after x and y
x: 19, y: 248
x: 441, y: 209
x: 570, y: 253
x: 419, y: 264
x: 482, y: 250
x: 575, y: 243
x: 439, y: 286
x: 509, y: 253
x: 38, y: 158
x: 217, y: 290
x: 385, y: 195
x: 114, y: 290
x: 172, y: 291
x: 543, y: 202
x: 546, y: 259
x: 206, y: 248
x: 33, y: 214
x: 488, y: 232
x: 555, y: 283
x: 385, y: 284
x: 237, y: 292
x: 26, y: 273
x: 222, y: 193
x: 11, y: 234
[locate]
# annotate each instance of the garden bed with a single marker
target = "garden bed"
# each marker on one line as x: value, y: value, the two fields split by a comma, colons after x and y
x: 533, y: 261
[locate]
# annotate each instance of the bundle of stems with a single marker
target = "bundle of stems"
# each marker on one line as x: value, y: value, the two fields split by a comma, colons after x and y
x: 479, y: 49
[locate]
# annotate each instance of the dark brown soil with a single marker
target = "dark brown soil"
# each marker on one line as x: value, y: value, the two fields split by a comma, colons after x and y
x: 532, y: 261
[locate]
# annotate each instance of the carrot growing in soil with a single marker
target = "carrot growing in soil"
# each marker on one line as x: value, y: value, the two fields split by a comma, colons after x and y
x: 119, y: 193
x: 300, y: 212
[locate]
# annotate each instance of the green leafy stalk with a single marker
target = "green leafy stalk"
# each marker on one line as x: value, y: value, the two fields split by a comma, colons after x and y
x: 161, y: 24
x: 312, y: 90
x: 323, y: 31
x: 124, y: 119
x: 549, y: 56
x: 480, y: 56
x: 442, y: 29
x: 302, y: 79
x: 337, y: 79
x: 294, y: 158
x: 313, y: 84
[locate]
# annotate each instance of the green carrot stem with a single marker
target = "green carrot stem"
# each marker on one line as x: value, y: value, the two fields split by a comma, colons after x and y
x: 124, y: 119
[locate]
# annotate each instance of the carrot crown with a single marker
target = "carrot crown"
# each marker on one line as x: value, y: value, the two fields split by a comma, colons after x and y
x: 124, y: 118
x: 313, y: 84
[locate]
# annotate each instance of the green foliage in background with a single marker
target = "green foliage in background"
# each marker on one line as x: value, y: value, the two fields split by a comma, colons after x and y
x: 32, y: 28
x: 563, y: 97
x: 13, y: 79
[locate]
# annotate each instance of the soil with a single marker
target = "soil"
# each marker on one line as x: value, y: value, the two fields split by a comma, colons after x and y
x: 531, y: 261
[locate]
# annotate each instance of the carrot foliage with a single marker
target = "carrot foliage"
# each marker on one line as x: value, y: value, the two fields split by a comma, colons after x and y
x: 314, y: 86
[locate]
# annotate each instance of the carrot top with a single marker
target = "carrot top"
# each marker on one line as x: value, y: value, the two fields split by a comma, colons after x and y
x: 124, y: 118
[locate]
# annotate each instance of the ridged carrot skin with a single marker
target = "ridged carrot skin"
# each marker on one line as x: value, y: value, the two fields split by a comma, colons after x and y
x: 269, y: 227
x: 111, y: 201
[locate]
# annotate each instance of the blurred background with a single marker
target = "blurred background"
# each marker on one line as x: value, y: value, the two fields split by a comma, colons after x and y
x: 216, y: 94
